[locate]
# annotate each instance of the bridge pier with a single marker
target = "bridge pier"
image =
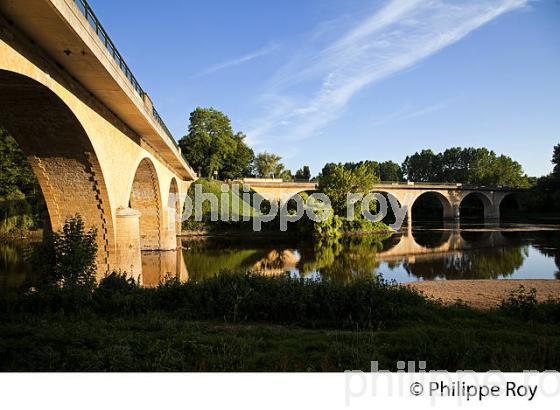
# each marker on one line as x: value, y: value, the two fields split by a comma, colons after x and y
x: 169, y: 239
x: 456, y: 211
x: 129, y: 256
x: 492, y: 212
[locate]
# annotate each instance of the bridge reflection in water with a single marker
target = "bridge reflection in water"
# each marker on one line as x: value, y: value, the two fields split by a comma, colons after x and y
x: 446, y: 252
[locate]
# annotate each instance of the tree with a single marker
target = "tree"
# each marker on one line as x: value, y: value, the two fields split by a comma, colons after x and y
x: 21, y: 199
x: 238, y: 164
x: 422, y: 167
x: 68, y: 257
x: 16, y: 174
x: 268, y: 165
x: 507, y: 172
x: 556, y: 159
x: 544, y: 196
x: 338, y: 180
x: 286, y: 175
x: 303, y: 173
x: 211, y: 145
x: 390, y: 171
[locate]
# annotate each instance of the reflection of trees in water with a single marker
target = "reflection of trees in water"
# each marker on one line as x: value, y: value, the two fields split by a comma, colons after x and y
x: 205, y: 262
x: 208, y: 258
x: 14, y: 270
x: 472, y: 264
x: 548, y: 244
x: 352, y: 257
x: 390, y: 242
x: 344, y: 259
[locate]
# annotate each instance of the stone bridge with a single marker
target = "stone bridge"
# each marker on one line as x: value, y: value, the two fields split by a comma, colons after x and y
x: 90, y: 132
x: 450, y: 195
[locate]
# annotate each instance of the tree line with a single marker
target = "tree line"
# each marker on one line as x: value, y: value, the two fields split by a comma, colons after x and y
x: 215, y: 150
x: 476, y: 166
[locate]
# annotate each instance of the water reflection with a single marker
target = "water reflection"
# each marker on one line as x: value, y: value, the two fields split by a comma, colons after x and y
x: 344, y: 259
x: 14, y: 270
x: 158, y: 267
x: 475, y: 264
x: 549, y: 245
x: 425, y: 253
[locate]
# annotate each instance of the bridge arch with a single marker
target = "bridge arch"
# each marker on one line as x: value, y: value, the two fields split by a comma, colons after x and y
x: 390, y: 218
x: 431, y: 198
x: 476, y: 205
x: 508, y: 205
x: 61, y: 155
x: 145, y: 197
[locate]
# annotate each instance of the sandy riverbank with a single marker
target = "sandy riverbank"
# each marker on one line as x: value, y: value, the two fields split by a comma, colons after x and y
x: 484, y: 294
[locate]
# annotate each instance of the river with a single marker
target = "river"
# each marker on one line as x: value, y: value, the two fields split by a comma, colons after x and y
x: 427, y: 252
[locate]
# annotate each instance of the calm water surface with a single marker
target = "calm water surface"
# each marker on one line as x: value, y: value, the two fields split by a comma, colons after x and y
x: 430, y: 252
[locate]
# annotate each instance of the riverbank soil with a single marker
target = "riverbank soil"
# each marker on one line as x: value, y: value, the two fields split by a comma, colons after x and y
x: 485, y: 294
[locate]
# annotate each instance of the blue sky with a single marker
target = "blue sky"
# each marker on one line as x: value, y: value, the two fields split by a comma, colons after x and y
x: 336, y: 81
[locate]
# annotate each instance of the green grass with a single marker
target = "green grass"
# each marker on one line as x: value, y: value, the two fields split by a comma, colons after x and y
x: 242, y: 322
x: 160, y: 342
x: 214, y: 187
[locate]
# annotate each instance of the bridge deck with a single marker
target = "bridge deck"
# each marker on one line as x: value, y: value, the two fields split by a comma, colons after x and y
x: 69, y: 32
x: 269, y: 183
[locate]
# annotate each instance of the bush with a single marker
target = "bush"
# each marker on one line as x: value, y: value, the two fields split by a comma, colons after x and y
x: 68, y: 258
x: 365, y: 303
x: 523, y: 304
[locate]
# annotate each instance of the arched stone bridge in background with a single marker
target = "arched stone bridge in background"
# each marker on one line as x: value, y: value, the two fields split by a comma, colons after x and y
x: 450, y: 195
x: 90, y: 132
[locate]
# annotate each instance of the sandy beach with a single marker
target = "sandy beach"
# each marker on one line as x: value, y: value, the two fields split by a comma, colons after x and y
x: 484, y: 294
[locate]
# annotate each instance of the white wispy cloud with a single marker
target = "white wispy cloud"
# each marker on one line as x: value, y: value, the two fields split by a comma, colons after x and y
x: 314, y: 87
x: 237, y: 61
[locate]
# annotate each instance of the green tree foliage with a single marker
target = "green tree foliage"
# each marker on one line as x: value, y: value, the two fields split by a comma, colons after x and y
x: 286, y: 175
x: 68, y: 257
x: 15, y: 172
x: 545, y: 194
x: 421, y: 167
x: 211, y: 145
x: 303, y: 173
x: 238, y: 164
x: 390, y: 171
x: 337, y: 180
x: 477, y: 166
x: 556, y: 159
x: 21, y: 200
x: 268, y: 165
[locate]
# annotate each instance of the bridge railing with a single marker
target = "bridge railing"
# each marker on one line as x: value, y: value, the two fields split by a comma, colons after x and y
x: 444, y: 184
x: 406, y: 183
x: 90, y: 16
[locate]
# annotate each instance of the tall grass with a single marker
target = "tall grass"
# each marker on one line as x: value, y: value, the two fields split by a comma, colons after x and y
x: 245, y: 297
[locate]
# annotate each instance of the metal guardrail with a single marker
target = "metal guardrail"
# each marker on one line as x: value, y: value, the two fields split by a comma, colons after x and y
x: 444, y: 184
x: 90, y: 16
x: 419, y: 183
x: 162, y: 124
